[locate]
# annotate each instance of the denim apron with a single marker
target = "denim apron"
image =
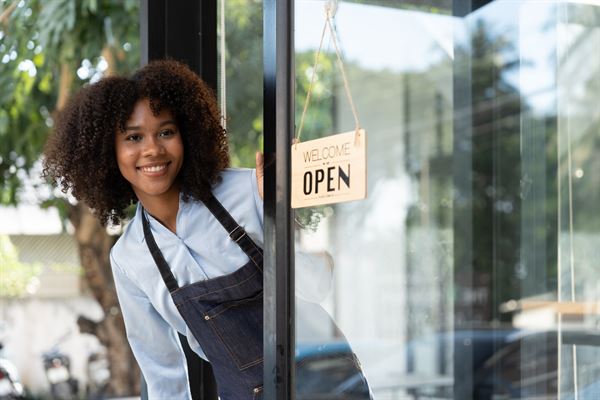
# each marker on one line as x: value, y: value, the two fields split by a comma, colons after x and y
x: 225, y: 314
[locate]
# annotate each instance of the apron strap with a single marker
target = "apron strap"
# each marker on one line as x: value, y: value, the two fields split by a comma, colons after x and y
x: 235, y: 231
x: 161, y: 263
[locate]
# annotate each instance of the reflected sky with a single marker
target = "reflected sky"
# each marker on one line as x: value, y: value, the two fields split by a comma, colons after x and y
x: 418, y: 40
x: 531, y: 27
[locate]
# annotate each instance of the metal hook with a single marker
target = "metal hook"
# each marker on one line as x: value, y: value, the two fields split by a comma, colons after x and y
x: 331, y: 8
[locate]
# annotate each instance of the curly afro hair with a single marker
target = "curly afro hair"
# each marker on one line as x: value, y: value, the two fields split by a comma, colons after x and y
x: 80, y: 153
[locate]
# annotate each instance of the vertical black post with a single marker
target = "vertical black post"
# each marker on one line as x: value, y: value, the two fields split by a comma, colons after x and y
x: 183, y: 30
x: 186, y: 31
x: 279, y: 246
x: 152, y: 30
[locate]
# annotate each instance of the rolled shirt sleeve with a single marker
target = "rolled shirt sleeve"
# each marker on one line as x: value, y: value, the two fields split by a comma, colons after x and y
x: 154, y: 343
x: 314, y: 270
x: 314, y: 275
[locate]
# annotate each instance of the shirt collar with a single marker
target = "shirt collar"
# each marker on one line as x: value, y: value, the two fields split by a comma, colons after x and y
x: 137, y: 229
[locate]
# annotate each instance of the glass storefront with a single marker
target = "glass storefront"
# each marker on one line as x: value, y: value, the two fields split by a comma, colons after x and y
x: 470, y: 271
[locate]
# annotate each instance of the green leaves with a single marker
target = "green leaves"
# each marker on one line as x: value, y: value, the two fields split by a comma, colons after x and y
x: 17, y: 277
x: 35, y: 41
x: 56, y: 20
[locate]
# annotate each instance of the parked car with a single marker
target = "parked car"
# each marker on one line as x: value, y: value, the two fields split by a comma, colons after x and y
x: 329, y: 371
x: 527, y: 367
x: 485, y: 364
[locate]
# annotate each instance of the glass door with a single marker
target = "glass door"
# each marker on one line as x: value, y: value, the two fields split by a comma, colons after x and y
x: 470, y: 271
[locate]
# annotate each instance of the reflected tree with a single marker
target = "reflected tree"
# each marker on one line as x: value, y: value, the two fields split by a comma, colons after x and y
x: 492, y: 255
x: 244, y: 66
x: 512, y: 201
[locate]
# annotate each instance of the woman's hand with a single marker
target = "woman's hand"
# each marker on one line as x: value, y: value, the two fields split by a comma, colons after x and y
x: 260, y: 173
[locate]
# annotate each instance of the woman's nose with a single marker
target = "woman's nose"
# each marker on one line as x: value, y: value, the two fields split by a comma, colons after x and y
x: 152, y: 147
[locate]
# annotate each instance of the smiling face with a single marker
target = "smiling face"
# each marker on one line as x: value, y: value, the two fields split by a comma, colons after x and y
x: 150, y: 153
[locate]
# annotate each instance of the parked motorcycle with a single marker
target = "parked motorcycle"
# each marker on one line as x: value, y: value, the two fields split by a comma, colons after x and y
x: 98, y: 366
x: 10, y: 386
x: 98, y: 372
x: 57, y: 366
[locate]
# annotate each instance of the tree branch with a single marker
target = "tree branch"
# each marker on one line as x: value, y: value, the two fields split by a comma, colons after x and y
x: 6, y: 13
x: 65, y: 83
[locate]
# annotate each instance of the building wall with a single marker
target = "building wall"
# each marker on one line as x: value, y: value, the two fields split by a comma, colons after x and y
x: 32, y: 326
x: 46, y: 315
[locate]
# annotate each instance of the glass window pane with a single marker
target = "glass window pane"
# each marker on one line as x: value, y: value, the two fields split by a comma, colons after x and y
x: 240, y: 71
x: 469, y: 271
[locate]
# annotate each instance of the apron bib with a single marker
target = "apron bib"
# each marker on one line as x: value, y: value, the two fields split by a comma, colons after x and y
x: 225, y: 314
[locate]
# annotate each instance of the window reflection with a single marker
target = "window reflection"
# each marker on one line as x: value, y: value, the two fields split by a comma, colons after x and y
x: 470, y: 269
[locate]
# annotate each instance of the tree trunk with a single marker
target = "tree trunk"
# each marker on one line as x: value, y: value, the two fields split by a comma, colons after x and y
x: 6, y: 14
x: 64, y: 85
x: 107, y: 53
x: 94, y: 245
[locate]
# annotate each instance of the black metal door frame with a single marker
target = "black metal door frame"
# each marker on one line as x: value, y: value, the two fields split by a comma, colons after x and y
x: 183, y: 30
x: 278, y: 119
x: 186, y: 31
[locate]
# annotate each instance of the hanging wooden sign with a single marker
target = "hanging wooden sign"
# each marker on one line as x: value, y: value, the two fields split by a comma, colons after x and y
x: 330, y: 170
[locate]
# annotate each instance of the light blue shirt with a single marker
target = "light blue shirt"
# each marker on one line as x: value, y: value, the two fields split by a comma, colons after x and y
x: 200, y: 250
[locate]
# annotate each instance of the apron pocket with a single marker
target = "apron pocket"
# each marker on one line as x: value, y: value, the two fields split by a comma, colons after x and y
x: 239, y: 326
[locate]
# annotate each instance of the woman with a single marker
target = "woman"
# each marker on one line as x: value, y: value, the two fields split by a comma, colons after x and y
x: 184, y: 263
x: 190, y: 261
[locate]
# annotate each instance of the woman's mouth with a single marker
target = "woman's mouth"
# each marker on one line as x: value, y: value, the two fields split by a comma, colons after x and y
x: 154, y: 169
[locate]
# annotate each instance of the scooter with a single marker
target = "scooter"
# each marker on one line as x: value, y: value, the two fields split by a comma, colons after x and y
x: 98, y: 365
x: 98, y: 375
x: 10, y: 386
x: 57, y: 366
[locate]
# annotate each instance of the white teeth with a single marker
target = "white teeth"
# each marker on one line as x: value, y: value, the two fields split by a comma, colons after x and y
x: 155, y: 168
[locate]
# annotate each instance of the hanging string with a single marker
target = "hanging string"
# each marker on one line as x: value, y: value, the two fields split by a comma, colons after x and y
x: 330, y: 9
x: 343, y: 70
x: 562, y: 17
x: 559, y: 283
x: 571, y: 249
x: 570, y: 203
x: 310, y: 86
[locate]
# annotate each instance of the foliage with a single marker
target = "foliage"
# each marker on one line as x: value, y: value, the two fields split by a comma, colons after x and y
x: 495, y: 203
x: 48, y: 50
x: 15, y: 275
x: 318, y: 121
x: 43, y: 44
x: 244, y: 70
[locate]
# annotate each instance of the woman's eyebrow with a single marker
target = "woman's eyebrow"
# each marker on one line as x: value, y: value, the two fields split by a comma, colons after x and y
x: 137, y: 127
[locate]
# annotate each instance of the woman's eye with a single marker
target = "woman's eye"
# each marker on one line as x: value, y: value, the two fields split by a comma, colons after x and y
x: 133, y: 138
x: 167, y: 132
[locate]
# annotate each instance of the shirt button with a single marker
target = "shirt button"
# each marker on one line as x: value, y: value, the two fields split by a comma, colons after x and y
x: 256, y: 390
x: 206, y: 317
